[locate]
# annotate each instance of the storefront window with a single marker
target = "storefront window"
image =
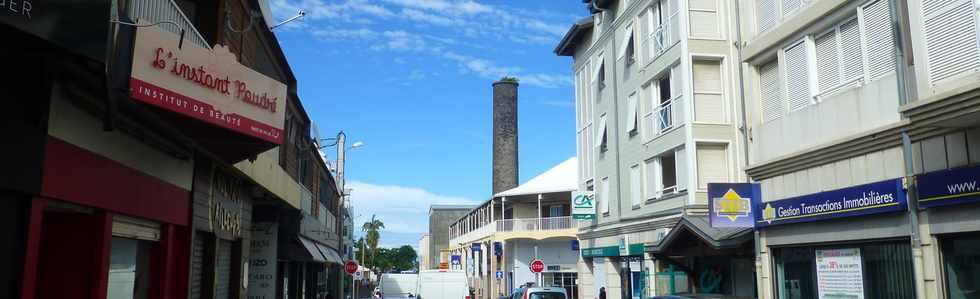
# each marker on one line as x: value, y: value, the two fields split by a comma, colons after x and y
x: 961, y: 258
x: 880, y: 270
x: 129, y: 275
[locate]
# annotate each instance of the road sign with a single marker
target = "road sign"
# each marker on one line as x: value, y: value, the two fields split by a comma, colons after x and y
x: 350, y: 267
x: 500, y: 274
x: 537, y: 266
x: 358, y: 275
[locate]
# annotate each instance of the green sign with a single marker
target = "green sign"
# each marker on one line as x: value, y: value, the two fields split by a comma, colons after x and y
x: 612, y: 251
x: 583, y: 206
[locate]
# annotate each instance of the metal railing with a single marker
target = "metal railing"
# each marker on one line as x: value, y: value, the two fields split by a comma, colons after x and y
x: 516, y: 225
x: 667, y: 115
x: 153, y: 11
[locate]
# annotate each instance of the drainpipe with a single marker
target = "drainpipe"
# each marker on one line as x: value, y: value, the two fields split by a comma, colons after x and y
x: 908, y: 181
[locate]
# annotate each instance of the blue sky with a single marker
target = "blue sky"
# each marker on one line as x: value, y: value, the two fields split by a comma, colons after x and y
x: 412, y: 80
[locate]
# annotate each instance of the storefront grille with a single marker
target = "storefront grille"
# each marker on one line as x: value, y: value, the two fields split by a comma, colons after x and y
x: 222, y: 269
x: 197, y: 260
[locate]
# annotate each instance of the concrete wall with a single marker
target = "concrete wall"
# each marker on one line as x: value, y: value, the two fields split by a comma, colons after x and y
x: 439, y: 220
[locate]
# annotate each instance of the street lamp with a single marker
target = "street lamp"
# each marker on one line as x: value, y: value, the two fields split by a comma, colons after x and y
x: 341, y: 155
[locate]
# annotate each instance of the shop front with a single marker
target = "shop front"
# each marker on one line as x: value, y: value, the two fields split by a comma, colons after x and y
x: 617, y: 271
x: 949, y: 200
x: 695, y: 257
x: 845, y: 243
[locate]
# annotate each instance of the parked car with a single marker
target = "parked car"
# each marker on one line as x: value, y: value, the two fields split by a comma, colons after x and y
x: 542, y: 293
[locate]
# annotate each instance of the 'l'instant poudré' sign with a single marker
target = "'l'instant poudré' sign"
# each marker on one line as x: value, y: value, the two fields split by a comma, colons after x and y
x: 206, y: 84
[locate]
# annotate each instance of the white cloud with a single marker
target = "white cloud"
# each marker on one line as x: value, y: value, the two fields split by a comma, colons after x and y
x: 562, y: 104
x: 400, y: 40
x: 416, y: 75
x: 404, y: 210
x: 445, y: 7
x: 344, y: 34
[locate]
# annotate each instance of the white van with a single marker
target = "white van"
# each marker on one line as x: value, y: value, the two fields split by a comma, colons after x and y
x: 441, y: 284
x: 400, y: 285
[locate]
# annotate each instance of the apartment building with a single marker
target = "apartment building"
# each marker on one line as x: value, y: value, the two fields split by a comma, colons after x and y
x: 863, y: 135
x: 657, y: 119
x: 496, y: 241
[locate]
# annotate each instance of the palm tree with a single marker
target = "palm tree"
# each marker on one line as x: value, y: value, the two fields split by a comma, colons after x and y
x: 372, y: 227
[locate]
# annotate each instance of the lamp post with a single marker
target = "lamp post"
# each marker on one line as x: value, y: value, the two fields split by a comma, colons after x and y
x: 340, y: 141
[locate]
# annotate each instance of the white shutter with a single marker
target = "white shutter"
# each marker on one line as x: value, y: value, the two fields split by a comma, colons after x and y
x: 680, y: 168
x: 709, y: 105
x: 852, y: 61
x: 950, y: 29
x: 652, y: 169
x: 631, y: 113
x: 772, y: 103
x: 604, y: 198
x: 828, y: 67
x: 879, y: 39
x: 636, y: 185
x: 790, y: 6
x: 712, y: 165
x: 625, y: 43
x: 704, y: 19
x: 598, y: 68
x: 797, y: 79
x: 765, y: 15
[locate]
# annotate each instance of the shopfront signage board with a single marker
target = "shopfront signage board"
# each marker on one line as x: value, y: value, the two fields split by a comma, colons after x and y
x: 262, y: 260
x: 879, y: 197
x: 949, y: 187
x: 730, y: 204
x: 583, y: 205
x: 839, y: 273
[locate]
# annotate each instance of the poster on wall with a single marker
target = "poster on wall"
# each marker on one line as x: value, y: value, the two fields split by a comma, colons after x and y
x: 839, y: 274
x: 262, y: 258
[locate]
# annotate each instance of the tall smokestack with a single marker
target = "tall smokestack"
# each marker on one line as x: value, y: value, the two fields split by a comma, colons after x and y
x: 504, y: 135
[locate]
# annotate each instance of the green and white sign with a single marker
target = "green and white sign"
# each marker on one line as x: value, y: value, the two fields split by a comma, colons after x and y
x: 583, y: 205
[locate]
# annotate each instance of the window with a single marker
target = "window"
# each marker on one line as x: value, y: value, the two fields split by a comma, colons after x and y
x: 712, y: 164
x: 598, y: 75
x: 652, y: 185
x: 961, y: 262
x: 772, y: 103
x: 879, y: 39
x: 770, y: 12
x: 705, y: 21
x: 585, y: 130
x: 839, y: 58
x: 130, y: 266
x: 665, y: 174
x: 663, y: 104
x: 636, y: 185
x: 556, y: 211
x: 886, y: 270
x: 709, y: 104
x: 631, y: 115
x: 797, y: 76
x: 604, y: 195
x: 950, y: 38
x: 626, y: 48
x: 601, y: 142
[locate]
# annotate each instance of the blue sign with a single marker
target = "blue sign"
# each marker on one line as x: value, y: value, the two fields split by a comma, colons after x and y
x: 873, y: 198
x: 949, y: 187
x: 498, y: 248
x: 730, y: 204
x: 575, y: 245
x: 455, y: 260
x: 475, y: 247
x: 500, y: 274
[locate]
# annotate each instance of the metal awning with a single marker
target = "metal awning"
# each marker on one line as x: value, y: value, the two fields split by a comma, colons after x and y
x: 329, y: 254
x: 698, y: 226
x: 312, y: 250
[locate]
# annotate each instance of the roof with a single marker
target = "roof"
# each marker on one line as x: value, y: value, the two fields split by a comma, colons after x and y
x: 717, y: 238
x: 451, y: 207
x: 568, y: 42
x: 561, y: 178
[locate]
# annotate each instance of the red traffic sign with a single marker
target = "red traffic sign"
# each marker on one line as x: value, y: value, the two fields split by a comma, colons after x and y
x: 350, y: 267
x: 537, y: 266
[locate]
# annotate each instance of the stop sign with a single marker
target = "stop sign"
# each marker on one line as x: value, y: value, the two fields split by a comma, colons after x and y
x: 350, y: 267
x: 537, y: 266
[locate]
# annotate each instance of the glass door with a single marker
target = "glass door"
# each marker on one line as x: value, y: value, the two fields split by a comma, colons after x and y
x: 129, y: 268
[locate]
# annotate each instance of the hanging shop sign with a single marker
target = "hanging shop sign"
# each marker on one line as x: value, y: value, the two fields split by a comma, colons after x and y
x: 262, y: 260
x: 53, y: 20
x: 730, y: 205
x: 839, y: 273
x: 880, y: 197
x: 583, y: 207
x: 949, y: 187
x: 455, y: 260
x: 208, y: 85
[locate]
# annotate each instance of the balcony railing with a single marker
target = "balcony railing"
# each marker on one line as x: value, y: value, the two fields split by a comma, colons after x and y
x: 667, y: 115
x: 516, y: 225
x: 153, y: 11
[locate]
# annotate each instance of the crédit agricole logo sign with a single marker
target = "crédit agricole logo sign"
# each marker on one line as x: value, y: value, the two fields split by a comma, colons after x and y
x: 206, y: 84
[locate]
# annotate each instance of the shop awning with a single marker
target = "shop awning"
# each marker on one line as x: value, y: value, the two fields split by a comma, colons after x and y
x: 699, y: 227
x: 329, y: 254
x: 311, y: 248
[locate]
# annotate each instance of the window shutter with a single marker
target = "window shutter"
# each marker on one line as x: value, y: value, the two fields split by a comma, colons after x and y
x: 598, y: 68
x: 604, y: 199
x: 765, y: 14
x: 636, y: 185
x: 797, y: 79
x: 709, y: 105
x: 712, y: 165
x: 772, y: 103
x: 601, y: 135
x: 828, y: 68
x: 852, y: 62
x: 652, y: 169
x: 631, y: 113
x: 950, y: 29
x: 680, y: 168
x: 625, y: 43
x: 879, y: 39
x: 790, y: 6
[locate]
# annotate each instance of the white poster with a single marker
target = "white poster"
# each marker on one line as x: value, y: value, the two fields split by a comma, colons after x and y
x: 839, y: 274
x: 262, y: 257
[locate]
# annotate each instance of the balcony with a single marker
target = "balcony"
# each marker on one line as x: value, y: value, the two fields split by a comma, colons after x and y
x: 664, y: 117
x: 517, y: 226
x: 154, y: 11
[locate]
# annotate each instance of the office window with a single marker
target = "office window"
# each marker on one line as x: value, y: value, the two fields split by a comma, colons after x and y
x: 712, y: 164
x: 951, y: 38
x: 772, y: 103
x: 636, y: 185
